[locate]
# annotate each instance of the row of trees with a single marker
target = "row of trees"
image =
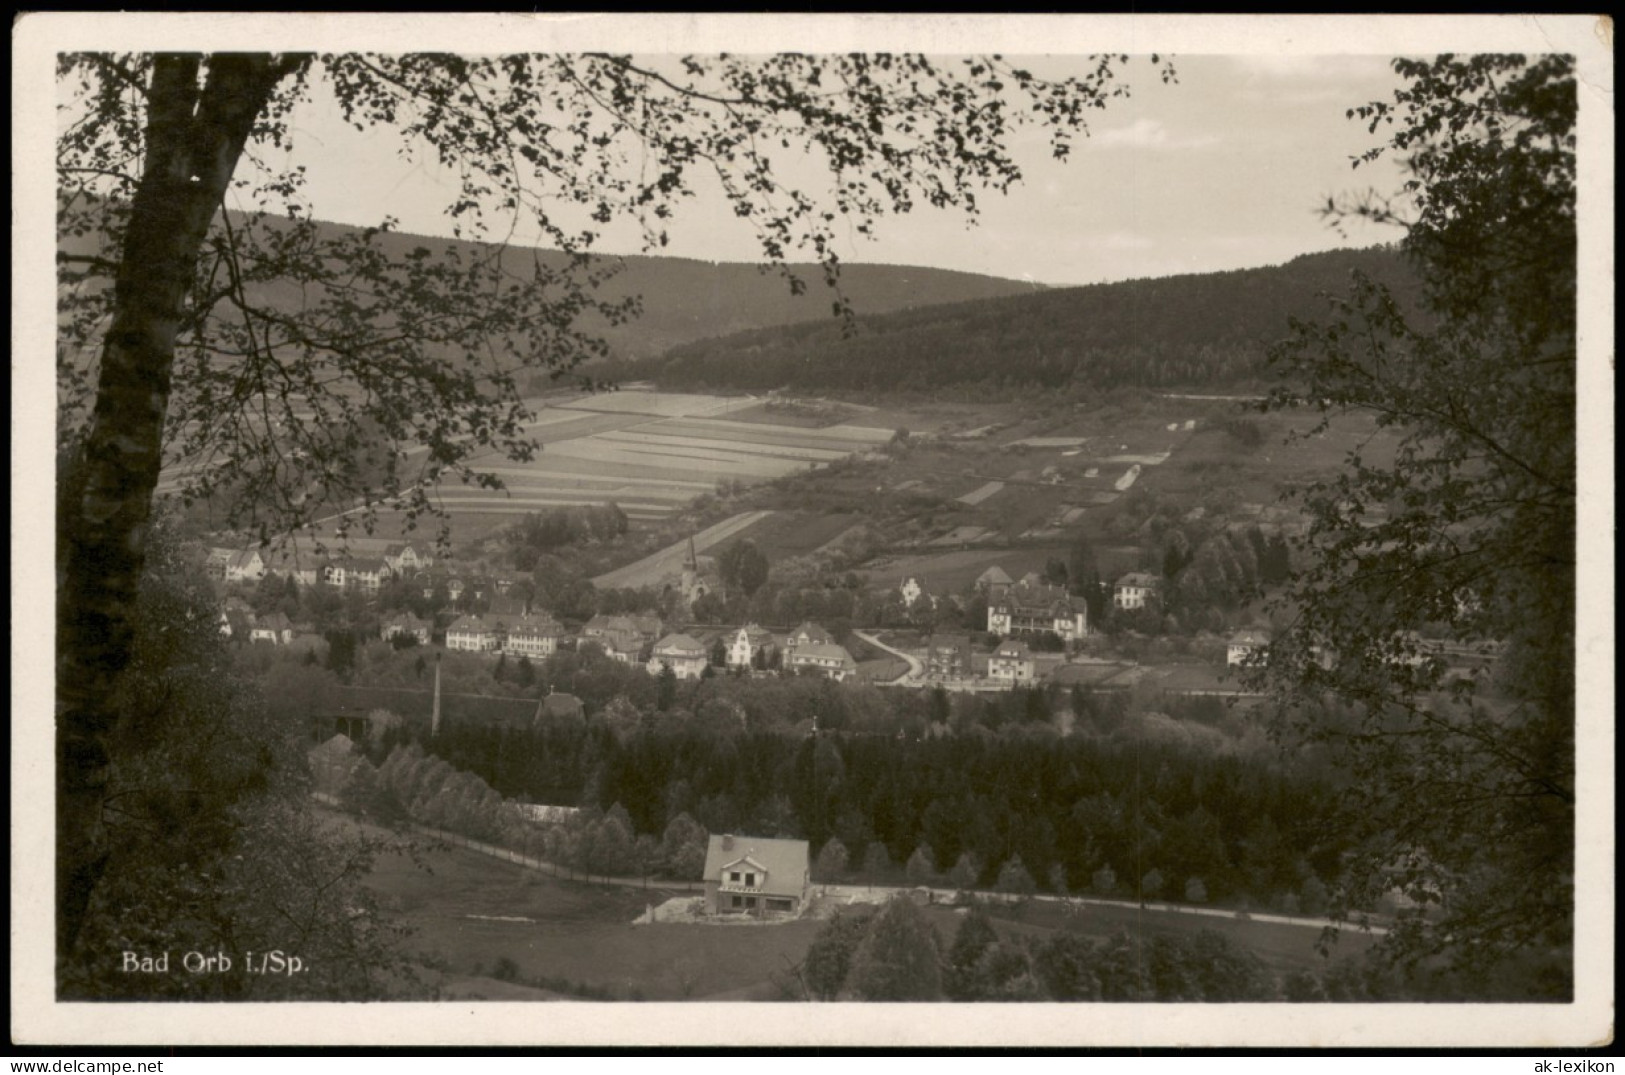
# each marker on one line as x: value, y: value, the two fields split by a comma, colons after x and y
x: 413, y: 785
x: 896, y: 955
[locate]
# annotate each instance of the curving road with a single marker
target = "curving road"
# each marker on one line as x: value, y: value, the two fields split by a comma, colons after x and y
x: 916, y: 669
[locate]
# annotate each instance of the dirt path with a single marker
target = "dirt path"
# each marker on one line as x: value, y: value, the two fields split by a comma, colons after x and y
x: 916, y: 670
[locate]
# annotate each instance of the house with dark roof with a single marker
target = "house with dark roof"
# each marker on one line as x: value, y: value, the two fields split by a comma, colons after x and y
x: 214, y: 564
x: 1031, y: 608
x: 473, y: 634
x: 994, y: 581
x: 832, y: 660
x: 533, y: 636
x: 245, y: 566
x: 404, y: 623
x: 809, y: 634
x: 757, y: 876
x: 274, y: 628
x: 1243, y: 644
x: 948, y: 656
x: 1012, y: 663
x: 686, y: 657
x: 404, y: 559
x: 1135, y: 589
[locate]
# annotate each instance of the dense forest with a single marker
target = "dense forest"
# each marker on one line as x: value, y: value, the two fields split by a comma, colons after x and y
x: 1208, y: 330
x: 1128, y: 815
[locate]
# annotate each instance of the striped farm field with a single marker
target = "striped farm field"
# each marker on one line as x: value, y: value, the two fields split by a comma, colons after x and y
x: 735, y: 446
x: 650, y: 453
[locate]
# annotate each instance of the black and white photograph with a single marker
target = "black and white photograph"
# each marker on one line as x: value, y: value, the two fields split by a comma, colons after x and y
x: 813, y: 530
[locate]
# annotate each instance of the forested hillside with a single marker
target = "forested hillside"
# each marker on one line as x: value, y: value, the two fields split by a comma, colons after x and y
x: 1201, y: 330
x: 681, y: 299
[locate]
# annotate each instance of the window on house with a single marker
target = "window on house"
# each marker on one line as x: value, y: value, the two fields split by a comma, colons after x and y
x: 733, y: 878
x: 750, y: 879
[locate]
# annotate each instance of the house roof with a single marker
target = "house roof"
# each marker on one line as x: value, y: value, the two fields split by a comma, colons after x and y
x: 536, y: 627
x: 470, y: 624
x: 756, y: 635
x: 405, y: 619
x: 1251, y: 636
x: 679, y: 645
x: 815, y: 634
x: 823, y: 651
x: 1137, y: 578
x: 1014, y: 650
x: 994, y: 576
x: 276, y: 621
x: 785, y: 861
x: 1030, y: 595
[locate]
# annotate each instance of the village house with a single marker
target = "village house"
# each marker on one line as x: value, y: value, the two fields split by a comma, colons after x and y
x: 1134, y: 590
x: 1012, y: 662
x: 754, y: 875
x: 826, y: 657
x: 948, y: 657
x: 215, y: 563
x: 367, y: 575
x: 622, y: 638
x: 1031, y: 607
x: 913, y: 592
x: 747, y: 642
x: 1243, y: 644
x: 994, y: 582
x: 245, y: 566
x: 236, y: 619
x: 404, y: 623
x: 403, y: 559
x: 684, y: 656
x: 273, y: 628
x: 287, y: 563
x: 808, y: 634
x: 472, y: 634
x: 533, y: 636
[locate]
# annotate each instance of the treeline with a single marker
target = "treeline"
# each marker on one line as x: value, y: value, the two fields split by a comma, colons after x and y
x: 1199, y: 330
x: 1131, y: 816
x: 544, y: 531
x: 412, y: 785
x: 893, y: 953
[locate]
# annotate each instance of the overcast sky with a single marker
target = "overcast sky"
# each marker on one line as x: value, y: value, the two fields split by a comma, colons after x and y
x: 1222, y: 170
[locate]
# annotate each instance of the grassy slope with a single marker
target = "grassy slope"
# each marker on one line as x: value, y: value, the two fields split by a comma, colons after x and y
x: 584, y: 934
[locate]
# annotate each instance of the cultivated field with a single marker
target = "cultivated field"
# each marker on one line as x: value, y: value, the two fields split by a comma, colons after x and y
x: 649, y: 452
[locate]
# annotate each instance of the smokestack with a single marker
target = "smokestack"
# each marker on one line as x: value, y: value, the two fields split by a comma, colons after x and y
x: 434, y: 720
x: 727, y: 843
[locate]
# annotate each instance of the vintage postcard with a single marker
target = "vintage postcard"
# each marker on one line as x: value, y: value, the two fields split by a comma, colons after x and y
x: 812, y: 530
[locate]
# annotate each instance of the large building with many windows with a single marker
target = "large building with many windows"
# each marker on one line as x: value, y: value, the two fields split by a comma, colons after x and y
x: 1035, y: 608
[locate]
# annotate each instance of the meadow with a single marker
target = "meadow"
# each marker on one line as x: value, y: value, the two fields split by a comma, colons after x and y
x: 469, y: 914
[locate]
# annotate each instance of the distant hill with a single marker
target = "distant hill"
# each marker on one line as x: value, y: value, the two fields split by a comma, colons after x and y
x: 1199, y: 330
x: 686, y: 300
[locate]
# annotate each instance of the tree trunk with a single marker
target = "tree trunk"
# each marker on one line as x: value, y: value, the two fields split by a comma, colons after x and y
x: 194, y: 137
